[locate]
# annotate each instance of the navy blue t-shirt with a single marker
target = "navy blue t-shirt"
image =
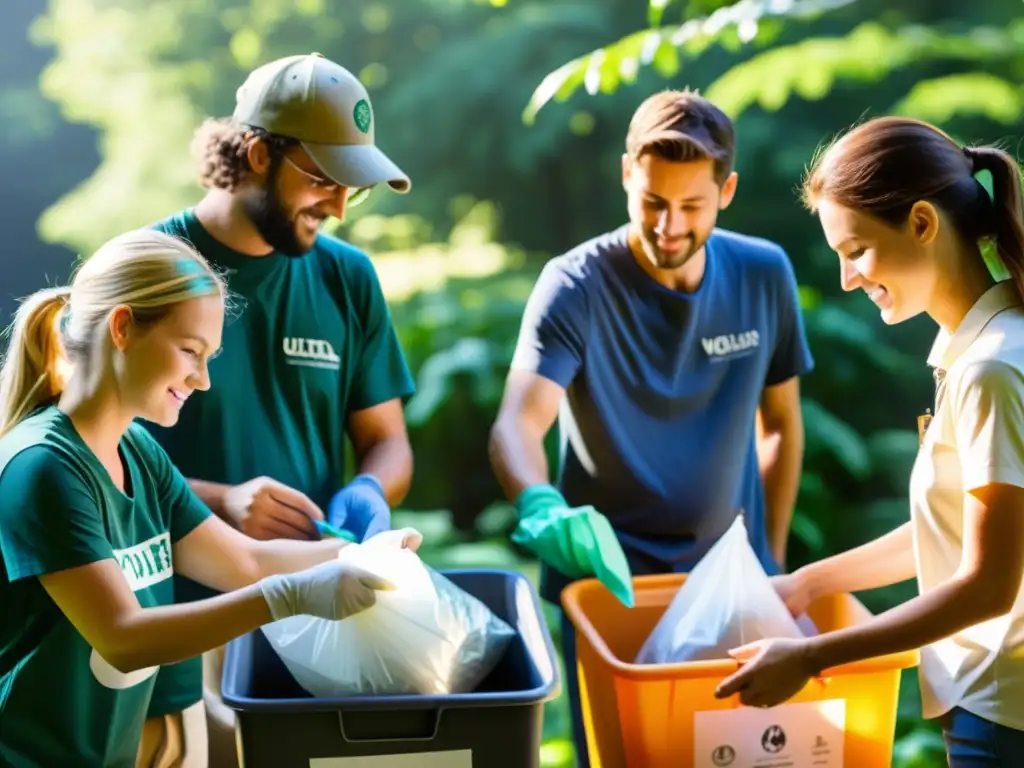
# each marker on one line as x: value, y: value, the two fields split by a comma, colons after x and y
x: 662, y: 389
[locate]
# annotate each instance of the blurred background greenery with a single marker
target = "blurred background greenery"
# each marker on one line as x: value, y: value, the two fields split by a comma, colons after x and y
x: 510, y: 116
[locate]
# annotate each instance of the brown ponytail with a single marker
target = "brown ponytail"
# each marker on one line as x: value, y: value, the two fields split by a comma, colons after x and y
x: 1008, y: 219
x: 886, y: 165
x: 31, y: 371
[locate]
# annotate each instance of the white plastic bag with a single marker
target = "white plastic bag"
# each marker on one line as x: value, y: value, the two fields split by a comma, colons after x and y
x: 427, y: 636
x: 726, y: 601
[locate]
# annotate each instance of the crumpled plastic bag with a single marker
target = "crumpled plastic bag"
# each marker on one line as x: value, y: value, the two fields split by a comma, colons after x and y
x: 427, y: 636
x: 726, y: 601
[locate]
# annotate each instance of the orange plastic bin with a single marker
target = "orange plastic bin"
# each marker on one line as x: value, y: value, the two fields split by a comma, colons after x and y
x: 666, y: 716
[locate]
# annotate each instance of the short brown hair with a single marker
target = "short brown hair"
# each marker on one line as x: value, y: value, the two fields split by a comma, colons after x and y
x: 220, y: 147
x: 884, y: 166
x: 683, y: 126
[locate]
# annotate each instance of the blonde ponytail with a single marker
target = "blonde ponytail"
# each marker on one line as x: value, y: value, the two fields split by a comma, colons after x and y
x: 32, y: 372
x: 147, y: 271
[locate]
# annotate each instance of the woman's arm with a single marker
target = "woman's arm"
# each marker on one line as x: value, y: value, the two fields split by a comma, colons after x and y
x: 96, y: 598
x: 219, y: 557
x: 887, y: 560
x: 984, y: 587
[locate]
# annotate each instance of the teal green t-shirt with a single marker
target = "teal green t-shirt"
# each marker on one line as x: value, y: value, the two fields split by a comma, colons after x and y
x: 309, y: 341
x: 61, y: 704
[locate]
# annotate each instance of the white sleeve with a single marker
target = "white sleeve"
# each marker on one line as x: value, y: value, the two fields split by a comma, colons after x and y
x: 989, y: 413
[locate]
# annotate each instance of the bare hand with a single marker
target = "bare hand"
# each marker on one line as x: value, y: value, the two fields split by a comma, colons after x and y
x: 771, y: 671
x: 403, y: 538
x: 795, y: 591
x: 265, y: 509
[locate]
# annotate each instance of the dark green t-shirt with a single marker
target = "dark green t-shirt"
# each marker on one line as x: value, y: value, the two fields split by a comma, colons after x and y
x: 309, y: 341
x: 60, y: 702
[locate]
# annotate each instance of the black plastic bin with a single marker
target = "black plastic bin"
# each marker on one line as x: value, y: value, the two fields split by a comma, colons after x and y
x: 499, y: 725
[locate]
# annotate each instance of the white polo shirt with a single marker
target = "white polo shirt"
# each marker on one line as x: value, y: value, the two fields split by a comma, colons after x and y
x: 975, y: 438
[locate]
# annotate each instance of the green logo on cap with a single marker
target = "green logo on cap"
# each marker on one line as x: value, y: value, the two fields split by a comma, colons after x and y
x: 361, y: 114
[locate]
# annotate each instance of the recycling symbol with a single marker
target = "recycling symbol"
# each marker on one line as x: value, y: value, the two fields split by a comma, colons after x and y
x: 773, y: 739
x: 723, y: 756
x: 361, y: 115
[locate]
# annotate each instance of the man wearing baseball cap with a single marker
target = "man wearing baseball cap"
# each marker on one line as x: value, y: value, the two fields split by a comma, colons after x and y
x: 309, y: 359
x: 660, y: 343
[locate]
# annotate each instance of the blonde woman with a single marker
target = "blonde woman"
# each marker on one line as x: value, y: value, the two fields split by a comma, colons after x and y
x: 94, y: 519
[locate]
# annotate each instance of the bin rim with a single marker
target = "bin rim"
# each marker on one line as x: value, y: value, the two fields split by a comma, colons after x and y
x: 388, y: 703
x: 548, y: 690
x: 692, y: 670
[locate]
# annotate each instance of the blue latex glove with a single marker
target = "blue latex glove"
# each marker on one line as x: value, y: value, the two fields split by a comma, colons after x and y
x: 360, y: 508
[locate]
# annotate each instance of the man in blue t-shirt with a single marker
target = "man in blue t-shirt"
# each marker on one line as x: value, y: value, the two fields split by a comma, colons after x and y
x: 664, y: 346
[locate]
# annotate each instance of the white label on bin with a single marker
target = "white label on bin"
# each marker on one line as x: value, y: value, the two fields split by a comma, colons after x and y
x: 805, y: 735
x: 455, y: 758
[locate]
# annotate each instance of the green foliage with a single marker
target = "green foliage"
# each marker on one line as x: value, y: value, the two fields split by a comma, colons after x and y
x: 605, y: 69
x: 920, y: 748
x: 940, y: 99
x: 146, y: 73
x: 771, y: 78
x: 829, y: 435
x: 457, y: 302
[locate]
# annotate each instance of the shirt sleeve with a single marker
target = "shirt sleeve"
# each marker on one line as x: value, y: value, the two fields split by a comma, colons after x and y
x: 49, y: 519
x: 791, y: 355
x: 551, y: 335
x: 382, y: 373
x: 184, y: 508
x: 990, y: 424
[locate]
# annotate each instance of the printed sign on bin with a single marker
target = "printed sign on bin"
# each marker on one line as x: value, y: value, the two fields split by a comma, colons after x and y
x: 805, y: 735
x: 457, y: 758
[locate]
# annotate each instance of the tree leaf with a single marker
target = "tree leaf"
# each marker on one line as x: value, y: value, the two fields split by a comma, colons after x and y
x: 769, y: 79
x: 467, y: 355
x: 496, y: 519
x: 435, y: 525
x: 828, y: 433
x: 892, y: 454
x: 598, y: 71
x: 804, y: 528
x: 970, y: 93
x: 480, y: 554
x: 655, y: 10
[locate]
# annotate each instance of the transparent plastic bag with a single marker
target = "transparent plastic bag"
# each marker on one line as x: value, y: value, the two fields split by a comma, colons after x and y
x: 726, y: 601
x: 427, y: 636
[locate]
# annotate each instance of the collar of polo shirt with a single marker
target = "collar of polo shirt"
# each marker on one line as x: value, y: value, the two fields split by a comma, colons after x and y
x: 948, y: 347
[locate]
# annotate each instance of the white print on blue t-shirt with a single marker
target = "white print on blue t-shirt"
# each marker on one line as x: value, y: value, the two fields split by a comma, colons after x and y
x: 723, y: 347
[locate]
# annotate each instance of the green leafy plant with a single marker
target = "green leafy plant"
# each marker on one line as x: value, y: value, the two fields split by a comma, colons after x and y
x: 664, y: 48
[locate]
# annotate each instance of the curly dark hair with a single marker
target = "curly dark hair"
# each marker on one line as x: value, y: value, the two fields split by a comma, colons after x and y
x: 219, y: 146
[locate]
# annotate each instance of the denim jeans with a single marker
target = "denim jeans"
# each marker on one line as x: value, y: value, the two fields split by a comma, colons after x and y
x: 973, y: 742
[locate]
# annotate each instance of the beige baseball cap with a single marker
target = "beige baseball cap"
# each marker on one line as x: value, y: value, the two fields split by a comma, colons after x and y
x: 328, y: 110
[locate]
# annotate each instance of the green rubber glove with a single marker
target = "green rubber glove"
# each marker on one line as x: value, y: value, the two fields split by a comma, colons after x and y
x: 578, y: 541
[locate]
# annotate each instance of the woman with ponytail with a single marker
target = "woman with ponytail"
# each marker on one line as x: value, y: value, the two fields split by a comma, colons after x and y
x: 902, y: 205
x: 94, y: 519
